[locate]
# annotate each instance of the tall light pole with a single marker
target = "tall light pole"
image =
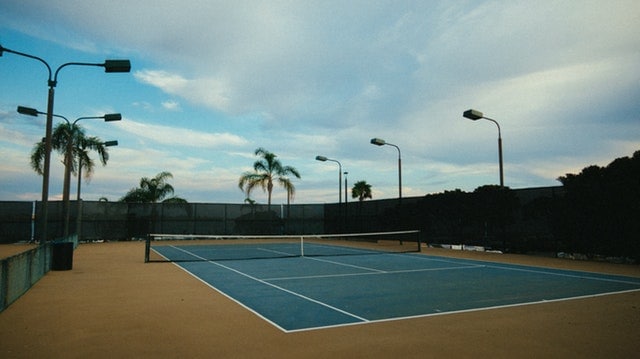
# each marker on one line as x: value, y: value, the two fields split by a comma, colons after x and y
x: 109, y: 66
x: 476, y: 115
x: 68, y: 153
x: 324, y: 159
x: 381, y: 142
x: 345, y: 187
x: 78, y: 199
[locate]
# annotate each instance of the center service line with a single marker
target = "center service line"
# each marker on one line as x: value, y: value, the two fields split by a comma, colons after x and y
x: 278, y: 287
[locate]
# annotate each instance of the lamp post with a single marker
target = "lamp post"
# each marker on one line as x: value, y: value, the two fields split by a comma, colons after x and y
x: 68, y: 153
x: 476, y: 115
x: 346, y: 207
x: 381, y: 142
x: 324, y: 159
x: 109, y: 66
x: 78, y: 200
x: 345, y: 187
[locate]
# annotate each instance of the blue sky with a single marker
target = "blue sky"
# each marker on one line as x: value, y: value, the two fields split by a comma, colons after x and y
x: 213, y: 80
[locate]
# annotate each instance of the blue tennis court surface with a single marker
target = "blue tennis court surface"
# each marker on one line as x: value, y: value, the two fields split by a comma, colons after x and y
x: 303, y: 293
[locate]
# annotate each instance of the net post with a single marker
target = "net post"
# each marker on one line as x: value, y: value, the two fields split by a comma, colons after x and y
x: 418, y: 239
x: 147, y: 247
x: 301, y: 246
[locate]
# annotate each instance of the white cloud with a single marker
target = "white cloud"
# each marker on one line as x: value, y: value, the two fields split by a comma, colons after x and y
x: 170, y: 83
x: 309, y: 78
x: 171, y: 105
x: 204, y: 91
x: 180, y: 136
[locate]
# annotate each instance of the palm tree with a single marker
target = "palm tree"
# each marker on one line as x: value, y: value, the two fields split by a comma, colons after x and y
x: 80, y: 144
x: 85, y: 162
x: 153, y: 190
x: 361, y: 190
x: 265, y: 171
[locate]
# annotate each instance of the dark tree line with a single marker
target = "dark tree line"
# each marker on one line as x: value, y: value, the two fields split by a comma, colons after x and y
x: 600, y: 212
x: 595, y: 213
x: 482, y: 217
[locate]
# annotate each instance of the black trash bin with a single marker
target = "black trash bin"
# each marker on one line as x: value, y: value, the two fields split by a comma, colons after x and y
x: 62, y: 256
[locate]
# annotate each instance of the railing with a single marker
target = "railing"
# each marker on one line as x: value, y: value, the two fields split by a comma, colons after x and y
x: 20, y: 272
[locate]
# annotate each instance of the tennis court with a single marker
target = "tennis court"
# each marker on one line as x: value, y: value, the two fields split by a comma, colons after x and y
x: 299, y: 286
x: 113, y: 304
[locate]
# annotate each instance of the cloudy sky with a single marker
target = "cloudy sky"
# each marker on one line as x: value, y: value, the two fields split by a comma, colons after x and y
x: 213, y: 80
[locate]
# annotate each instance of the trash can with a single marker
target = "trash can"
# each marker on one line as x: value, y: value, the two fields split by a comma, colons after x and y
x: 62, y: 256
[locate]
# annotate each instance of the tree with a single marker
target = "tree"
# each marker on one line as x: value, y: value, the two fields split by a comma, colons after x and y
x: 153, y: 190
x: 85, y: 163
x: 361, y: 190
x: 601, y: 207
x: 495, y: 207
x: 446, y: 215
x: 80, y: 144
x: 266, y: 171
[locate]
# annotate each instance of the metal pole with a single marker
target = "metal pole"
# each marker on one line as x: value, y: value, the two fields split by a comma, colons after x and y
x: 500, y: 158
x: 345, y: 187
x: 79, y: 214
x: 476, y: 115
x: 339, y: 184
x: 66, y: 188
x: 47, y: 164
x: 109, y: 66
x: 499, y: 149
x: 399, y: 170
x: 399, y: 176
x: 346, y: 217
x: 380, y: 142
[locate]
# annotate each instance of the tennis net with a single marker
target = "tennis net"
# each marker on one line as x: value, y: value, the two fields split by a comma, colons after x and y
x: 193, y: 248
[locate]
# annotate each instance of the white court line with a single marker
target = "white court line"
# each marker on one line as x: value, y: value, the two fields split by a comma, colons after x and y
x: 553, y: 272
x: 279, y: 288
x: 541, y: 270
x: 345, y: 264
x: 278, y: 252
x: 544, y: 301
x: 233, y: 299
x: 364, y: 321
x: 378, y: 272
x: 369, y: 270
